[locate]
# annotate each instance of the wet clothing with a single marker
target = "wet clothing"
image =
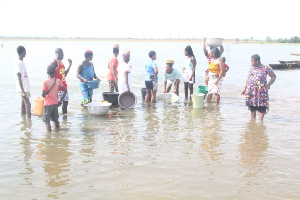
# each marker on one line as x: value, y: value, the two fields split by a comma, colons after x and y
x: 50, y: 113
x: 89, y: 74
x: 256, y: 90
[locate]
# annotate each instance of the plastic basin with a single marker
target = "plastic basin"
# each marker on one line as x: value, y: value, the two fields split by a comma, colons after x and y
x: 214, y: 42
x: 127, y: 100
x: 111, y: 97
x: 93, y: 84
x: 202, y: 90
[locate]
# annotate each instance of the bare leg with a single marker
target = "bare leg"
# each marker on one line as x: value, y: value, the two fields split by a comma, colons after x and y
x: 169, y: 88
x: 209, y: 96
x: 65, y: 107
x: 217, y: 98
x: 186, y: 89
x: 27, y: 107
x: 147, y: 97
x: 191, y: 88
x: 153, y: 98
x: 48, y: 127
x: 261, y: 116
x: 56, y: 124
x: 23, y: 109
x: 253, y: 115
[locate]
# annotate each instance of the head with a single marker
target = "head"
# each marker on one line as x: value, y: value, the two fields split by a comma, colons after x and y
x: 152, y: 55
x: 59, y: 53
x: 88, y: 55
x: 116, y: 49
x: 223, y: 59
x: 215, y: 53
x: 169, y: 66
x: 126, y: 56
x: 51, y: 70
x: 21, y: 51
x: 255, y: 60
x: 188, y: 51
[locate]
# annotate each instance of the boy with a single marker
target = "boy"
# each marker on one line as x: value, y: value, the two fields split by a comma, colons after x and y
x: 50, y: 88
x: 151, y: 78
x: 61, y: 74
x: 23, y: 82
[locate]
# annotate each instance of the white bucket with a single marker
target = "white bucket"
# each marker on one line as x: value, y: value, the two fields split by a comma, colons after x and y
x: 197, y: 100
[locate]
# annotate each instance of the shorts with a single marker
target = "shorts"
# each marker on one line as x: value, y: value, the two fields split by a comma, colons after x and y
x: 151, y: 85
x: 260, y: 109
x: 50, y: 112
x: 113, y: 86
x: 27, y: 94
x: 60, y: 93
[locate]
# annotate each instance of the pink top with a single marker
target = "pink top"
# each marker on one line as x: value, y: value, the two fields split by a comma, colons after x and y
x: 51, y: 98
x: 113, y: 62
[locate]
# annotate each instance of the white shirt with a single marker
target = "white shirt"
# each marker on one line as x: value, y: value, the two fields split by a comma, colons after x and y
x: 20, y: 68
x: 122, y: 68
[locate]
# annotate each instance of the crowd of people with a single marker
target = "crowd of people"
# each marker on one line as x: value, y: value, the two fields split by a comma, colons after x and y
x: 55, y: 93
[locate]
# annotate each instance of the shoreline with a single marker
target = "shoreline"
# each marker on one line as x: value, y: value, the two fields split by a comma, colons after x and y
x: 186, y: 40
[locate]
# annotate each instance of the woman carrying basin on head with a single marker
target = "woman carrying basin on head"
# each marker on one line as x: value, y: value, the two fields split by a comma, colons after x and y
x: 125, y: 80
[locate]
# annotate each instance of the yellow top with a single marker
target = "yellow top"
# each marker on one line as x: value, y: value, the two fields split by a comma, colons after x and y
x: 214, y: 68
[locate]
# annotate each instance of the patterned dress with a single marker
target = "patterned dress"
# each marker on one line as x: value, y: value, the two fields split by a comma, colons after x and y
x: 256, y: 92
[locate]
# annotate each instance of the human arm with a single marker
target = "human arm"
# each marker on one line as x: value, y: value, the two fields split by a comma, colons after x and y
x: 222, y: 70
x: 165, y: 86
x: 194, y: 67
x: 95, y: 76
x: 126, y: 80
x: 63, y: 96
x: 204, y: 48
x: 176, y: 86
x: 272, y: 80
x: 79, y: 71
x: 70, y: 64
x: 21, y: 84
x: 243, y: 92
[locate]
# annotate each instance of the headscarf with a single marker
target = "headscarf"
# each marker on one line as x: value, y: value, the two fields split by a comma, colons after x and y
x: 126, y: 55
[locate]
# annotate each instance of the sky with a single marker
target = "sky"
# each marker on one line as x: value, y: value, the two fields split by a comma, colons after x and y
x: 150, y: 19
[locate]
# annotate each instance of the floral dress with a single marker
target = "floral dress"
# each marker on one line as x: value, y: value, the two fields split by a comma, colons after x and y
x: 256, y: 91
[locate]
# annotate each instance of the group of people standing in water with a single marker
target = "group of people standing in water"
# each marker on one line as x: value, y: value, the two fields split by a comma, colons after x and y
x: 54, y: 89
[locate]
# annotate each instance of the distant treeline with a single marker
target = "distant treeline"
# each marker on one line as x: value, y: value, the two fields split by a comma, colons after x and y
x: 294, y: 39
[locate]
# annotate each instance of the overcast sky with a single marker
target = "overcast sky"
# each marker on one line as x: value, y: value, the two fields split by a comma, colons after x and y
x: 150, y: 19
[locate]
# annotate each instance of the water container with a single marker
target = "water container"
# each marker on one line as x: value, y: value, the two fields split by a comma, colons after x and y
x: 197, y: 100
x: 111, y: 97
x: 38, y: 106
x: 202, y: 90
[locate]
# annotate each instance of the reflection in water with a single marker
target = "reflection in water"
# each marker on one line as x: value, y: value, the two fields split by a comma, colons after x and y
x: 253, y: 147
x: 54, y: 152
x: 212, y: 131
x: 25, y: 142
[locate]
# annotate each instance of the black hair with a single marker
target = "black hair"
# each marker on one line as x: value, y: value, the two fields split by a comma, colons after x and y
x: 152, y: 53
x: 51, y: 70
x: 256, y: 57
x: 88, y: 54
x: 20, y: 50
x: 223, y: 59
x: 58, y: 50
x: 216, y: 52
x: 189, y: 50
x: 116, y: 50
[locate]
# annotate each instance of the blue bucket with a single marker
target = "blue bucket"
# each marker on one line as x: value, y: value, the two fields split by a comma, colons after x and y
x: 93, y: 84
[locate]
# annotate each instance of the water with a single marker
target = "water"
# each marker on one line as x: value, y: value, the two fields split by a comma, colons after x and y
x: 165, y: 151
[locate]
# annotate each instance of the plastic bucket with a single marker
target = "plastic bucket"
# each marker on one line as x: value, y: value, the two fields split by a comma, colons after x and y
x: 38, y: 106
x: 202, y: 90
x: 143, y: 90
x: 93, y: 84
x: 111, y: 97
x: 197, y: 100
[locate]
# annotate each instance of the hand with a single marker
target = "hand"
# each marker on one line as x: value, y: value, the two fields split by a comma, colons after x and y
x: 128, y: 89
x: 244, y: 91
x: 165, y: 91
x: 191, y: 78
x: 268, y: 86
x: 70, y: 62
x: 59, y: 103
x: 98, y: 79
x: 85, y: 80
x: 175, y: 92
x: 216, y: 83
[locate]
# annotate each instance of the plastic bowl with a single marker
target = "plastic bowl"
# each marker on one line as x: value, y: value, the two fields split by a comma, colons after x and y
x: 167, y: 97
x: 93, y: 84
x: 98, y: 108
x: 214, y: 42
x: 127, y: 100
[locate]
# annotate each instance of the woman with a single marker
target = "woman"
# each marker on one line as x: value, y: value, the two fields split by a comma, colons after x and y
x: 85, y: 73
x: 171, y: 76
x: 216, y: 71
x: 125, y: 81
x: 189, y: 71
x: 256, y: 87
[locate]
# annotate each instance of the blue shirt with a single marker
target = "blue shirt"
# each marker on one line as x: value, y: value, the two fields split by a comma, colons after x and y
x: 173, y: 76
x: 149, y: 67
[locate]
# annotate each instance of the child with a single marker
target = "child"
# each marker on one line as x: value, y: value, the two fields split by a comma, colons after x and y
x: 50, y: 88
x: 23, y: 83
x: 226, y: 66
x: 61, y: 74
